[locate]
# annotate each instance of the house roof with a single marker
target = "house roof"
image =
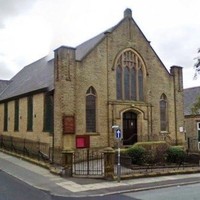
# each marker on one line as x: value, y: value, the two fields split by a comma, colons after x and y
x: 36, y: 76
x: 190, y: 97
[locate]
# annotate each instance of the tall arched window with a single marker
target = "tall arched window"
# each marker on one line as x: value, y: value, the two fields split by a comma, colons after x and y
x: 126, y: 83
x: 130, y: 72
x: 140, y: 83
x: 133, y: 84
x: 163, y: 113
x: 119, y: 82
x: 91, y: 110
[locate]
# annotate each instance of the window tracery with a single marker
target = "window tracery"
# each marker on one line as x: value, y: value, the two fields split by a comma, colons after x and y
x: 129, y: 77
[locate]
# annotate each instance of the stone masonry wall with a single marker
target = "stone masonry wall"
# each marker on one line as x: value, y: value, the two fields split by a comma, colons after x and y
x: 37, y: 134
x: 64, y: 95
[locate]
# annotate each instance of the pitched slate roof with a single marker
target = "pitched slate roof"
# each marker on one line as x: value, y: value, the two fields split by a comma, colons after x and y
x: 36, y: 76
x: 40, y: 74
x: 83, y: 49
x: 3, y: 84
x: 190, y: 97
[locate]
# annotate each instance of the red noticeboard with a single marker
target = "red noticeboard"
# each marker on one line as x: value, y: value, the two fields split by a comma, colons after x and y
x: 82, y: 141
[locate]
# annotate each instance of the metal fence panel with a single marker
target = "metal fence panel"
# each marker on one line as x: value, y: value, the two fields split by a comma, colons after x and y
x: 88, y: 162
x: 32, y: 149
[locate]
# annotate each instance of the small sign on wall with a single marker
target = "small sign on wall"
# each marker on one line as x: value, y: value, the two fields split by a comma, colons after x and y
x: 68, y: 125
x: 181, y: 129
x: 82, y: 141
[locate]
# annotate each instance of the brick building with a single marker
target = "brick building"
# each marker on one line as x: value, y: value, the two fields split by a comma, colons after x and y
x: 73, y: 100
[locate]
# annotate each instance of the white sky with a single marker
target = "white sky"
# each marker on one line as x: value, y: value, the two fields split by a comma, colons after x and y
x: 31, y: 29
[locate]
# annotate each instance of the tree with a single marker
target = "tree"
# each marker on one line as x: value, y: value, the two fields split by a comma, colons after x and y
x: 197, y: 65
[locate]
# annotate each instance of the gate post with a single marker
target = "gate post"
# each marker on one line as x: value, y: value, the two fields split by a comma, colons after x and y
x: 109, y: 163
x: 67, y: 162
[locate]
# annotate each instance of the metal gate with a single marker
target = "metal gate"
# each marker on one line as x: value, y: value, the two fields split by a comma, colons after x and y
x: 88, y: 162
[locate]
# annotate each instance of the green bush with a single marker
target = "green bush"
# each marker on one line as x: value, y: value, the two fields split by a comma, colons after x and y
x: 175, y: 154
x: 153, y: 145
x: 156, y: 151
x: 137, y: 154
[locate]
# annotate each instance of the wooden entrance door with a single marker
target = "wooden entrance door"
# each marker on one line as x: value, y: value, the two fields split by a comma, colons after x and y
x: 129, y: 128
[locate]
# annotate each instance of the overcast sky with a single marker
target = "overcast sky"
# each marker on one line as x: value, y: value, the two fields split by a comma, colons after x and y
x: 31, y: 29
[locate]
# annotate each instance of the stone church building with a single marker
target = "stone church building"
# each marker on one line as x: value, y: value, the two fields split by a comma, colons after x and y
x: 74, y: 99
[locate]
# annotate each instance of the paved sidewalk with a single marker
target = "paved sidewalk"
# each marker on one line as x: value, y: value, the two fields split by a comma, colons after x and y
x: 41, y: 178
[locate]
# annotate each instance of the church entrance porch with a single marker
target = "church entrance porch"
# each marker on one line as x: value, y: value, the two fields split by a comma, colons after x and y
x: 129, y: 128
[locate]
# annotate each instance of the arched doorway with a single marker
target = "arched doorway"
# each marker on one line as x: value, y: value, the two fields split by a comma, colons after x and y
x: 129, y: 128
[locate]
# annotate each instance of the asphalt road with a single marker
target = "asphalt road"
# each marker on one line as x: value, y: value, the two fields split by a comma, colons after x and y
x: 14, y: 189
x: 187, y: 192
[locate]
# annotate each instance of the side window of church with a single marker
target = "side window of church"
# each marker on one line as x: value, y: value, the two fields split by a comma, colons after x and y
x: 30, y: 113
x: 163, y: 113
x: 16, y: 115
x: 5, y: 127
x: 129, y: 77
x: 91, y: 110
x: 48, y: 113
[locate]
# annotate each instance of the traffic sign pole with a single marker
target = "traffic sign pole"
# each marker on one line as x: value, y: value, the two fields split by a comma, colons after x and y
x: 118, y: 136
x: 118, y: 163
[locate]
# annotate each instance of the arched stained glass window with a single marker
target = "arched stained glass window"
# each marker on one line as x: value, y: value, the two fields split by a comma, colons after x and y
x: 140, y: 83
x: 126, y: 83
x: 133, y: 84
x: 91, y: 110
x: 163, y: 113
x: 130, y: 73
x: 119, y: 82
